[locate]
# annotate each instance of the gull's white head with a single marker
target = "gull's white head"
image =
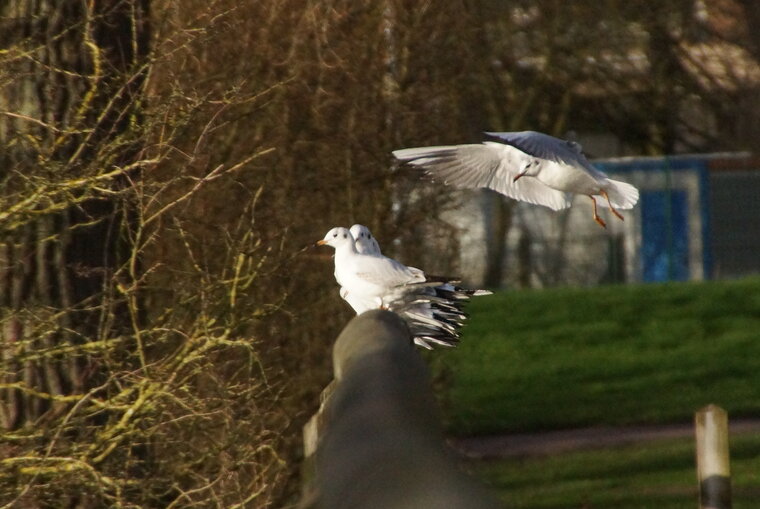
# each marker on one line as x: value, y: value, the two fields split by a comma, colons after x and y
x: 575, y: 146
x: 365, y: 242
x: 337, y: 237
x: 530, y: 168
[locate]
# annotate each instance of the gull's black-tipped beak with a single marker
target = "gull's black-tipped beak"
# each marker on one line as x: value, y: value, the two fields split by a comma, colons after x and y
x: 519, y: 175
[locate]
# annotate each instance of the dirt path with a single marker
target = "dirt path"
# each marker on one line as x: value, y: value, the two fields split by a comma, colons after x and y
x: 554, y: 442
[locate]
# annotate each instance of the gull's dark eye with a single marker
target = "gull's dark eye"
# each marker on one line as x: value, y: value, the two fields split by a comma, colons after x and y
x: 345, y: 236
x: 335, y: 234
x: 369, y: 235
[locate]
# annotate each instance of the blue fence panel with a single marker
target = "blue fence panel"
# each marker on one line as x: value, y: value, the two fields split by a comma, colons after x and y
x: 665, y: 235
x: 665, y: 221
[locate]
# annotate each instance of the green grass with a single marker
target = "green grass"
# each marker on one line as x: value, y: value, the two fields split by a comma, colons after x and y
x: 560, y: 358
x: 658, y: 475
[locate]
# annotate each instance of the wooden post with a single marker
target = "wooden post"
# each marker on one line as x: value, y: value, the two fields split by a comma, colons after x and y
x: 713, y: 471
x: 376, y: 441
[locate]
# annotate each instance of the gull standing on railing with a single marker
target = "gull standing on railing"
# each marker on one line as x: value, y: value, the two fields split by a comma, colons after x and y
x: 365, y: 242
x: 432, y: 306
x: 433, y: 309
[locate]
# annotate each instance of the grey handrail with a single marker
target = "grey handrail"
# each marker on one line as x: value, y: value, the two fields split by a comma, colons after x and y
x: 378, y: 437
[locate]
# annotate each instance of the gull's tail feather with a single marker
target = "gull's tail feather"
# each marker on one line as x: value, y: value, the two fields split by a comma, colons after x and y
x: 424, y: 341
x: 433, y: 322
x: 444, y: 281
x: 433, y: 310
x: 421, y: 342
x: 441, y: 341
x: 622, y: 195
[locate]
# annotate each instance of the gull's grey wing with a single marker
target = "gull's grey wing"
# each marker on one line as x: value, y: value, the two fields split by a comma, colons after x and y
x: 387, y: 272
x: 491, y: 165
x: 540, y: 145
x: 548, y: 147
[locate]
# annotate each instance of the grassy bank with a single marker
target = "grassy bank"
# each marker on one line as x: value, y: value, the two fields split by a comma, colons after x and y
x: 549, y: 359
x: 658, y: 475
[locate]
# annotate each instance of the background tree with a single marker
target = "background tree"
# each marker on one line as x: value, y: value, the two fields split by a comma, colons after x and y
x: 114, y: 394
x: 65, y: 105
x: 201, y: 189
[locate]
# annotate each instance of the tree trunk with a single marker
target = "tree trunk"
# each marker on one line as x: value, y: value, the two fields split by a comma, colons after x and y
x: 500, y: 218
x: 70, y: 89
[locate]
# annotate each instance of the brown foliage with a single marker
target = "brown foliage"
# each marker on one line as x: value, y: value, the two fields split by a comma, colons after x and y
x: 199, y: 347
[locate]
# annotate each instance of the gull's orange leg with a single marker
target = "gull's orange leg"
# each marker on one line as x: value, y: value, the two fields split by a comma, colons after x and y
x: 596, y: 216
x: 607, y: 197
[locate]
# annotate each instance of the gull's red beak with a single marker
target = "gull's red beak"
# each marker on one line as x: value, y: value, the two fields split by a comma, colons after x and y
x: 320, y: 242
x: 517, y: 177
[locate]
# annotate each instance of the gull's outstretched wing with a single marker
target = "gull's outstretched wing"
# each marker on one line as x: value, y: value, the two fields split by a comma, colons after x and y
x: 491, y: 165
x: 544, y: 146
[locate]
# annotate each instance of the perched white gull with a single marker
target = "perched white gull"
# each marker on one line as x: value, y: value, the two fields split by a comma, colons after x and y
x: 558, y: 167
x: 365, y: 242
x: 432, y: 307
x: 436, y: 313
x: 374, y: 277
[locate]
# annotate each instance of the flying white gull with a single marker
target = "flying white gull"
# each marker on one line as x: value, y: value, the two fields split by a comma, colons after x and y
x: 431, y: 306
x: 557, y: 170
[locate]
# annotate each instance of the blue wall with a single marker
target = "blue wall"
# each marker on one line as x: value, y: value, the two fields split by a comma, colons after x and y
x: 664, y: 214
